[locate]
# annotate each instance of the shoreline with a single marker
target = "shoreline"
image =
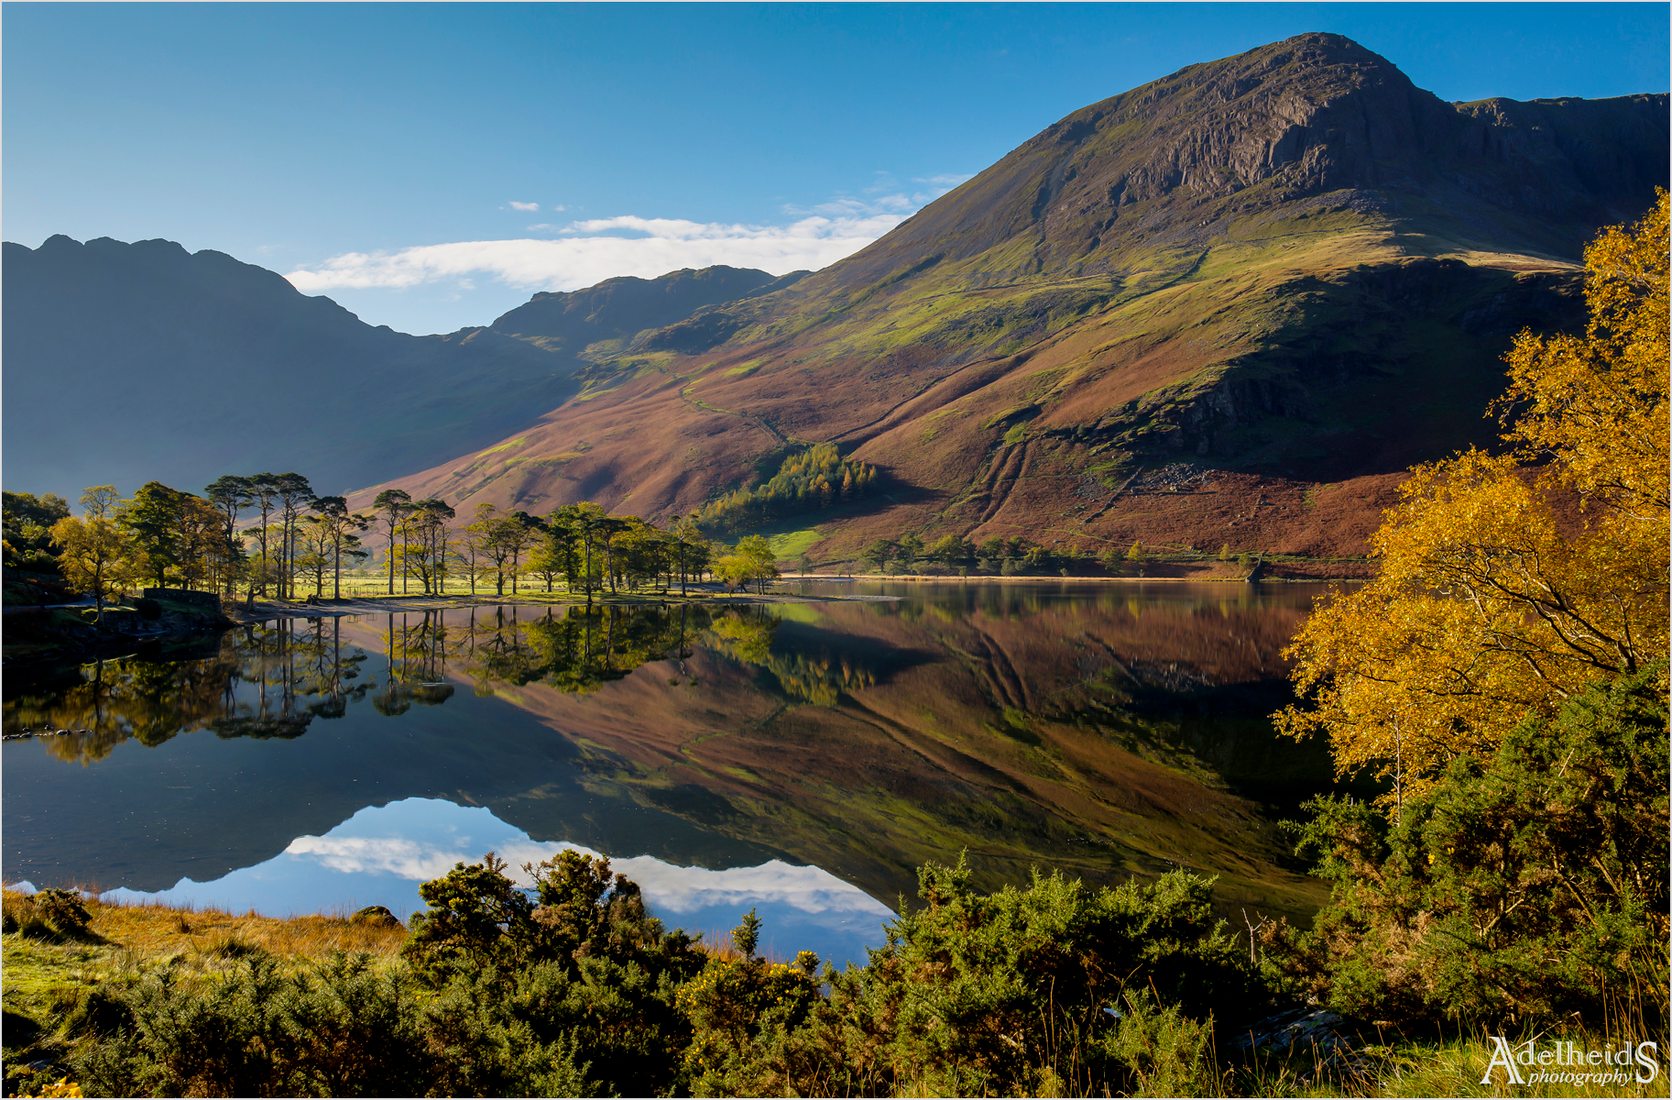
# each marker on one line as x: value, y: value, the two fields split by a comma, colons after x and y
x: 184, y: 631
x: 263, y: 610
x: 986, y: 578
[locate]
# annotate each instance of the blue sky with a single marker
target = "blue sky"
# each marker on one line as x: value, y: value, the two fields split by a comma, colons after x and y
x: 431, y: 166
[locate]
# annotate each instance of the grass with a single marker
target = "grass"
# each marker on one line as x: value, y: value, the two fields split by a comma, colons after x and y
x: 790, y: 545
x: 1420, y: 1067
x: 508, y: 445
x: 48, y: 978
x: 1455, y: 1068
x: 152, y: 931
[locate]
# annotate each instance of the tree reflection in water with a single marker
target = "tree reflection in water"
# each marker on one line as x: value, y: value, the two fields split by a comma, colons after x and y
x: 273, y: 679
x: 265, y: 680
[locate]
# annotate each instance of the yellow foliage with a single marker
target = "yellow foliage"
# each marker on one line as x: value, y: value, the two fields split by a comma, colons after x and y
x: 1488, y: 605
x: 1597, y: 405
x: 93, y: 556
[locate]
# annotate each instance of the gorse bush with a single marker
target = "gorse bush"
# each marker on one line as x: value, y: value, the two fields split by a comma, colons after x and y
x: 336, y: 1030
x: 1053, y: 988
x: 1527, y: 887
x: 748, y: 1020
x: 570, y: 988
x: 1036, y: 990
x: 577, y: 966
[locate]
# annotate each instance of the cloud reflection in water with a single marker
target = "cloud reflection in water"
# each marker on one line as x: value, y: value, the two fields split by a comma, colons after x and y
x: 381, y: 854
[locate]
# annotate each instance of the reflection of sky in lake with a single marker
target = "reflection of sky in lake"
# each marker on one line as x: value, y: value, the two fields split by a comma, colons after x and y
x: 381, y: 854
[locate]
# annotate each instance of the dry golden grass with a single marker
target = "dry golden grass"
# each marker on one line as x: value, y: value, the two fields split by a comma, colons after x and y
x: 148, y: 930
x: 155, y: 930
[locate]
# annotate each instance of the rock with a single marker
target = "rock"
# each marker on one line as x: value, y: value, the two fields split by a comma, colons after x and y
x: 377, y: 916
x: 1327, y: 1037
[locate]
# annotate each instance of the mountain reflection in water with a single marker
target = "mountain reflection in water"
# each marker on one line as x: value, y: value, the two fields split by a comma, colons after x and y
x: 1107, y: 730
x: 381, y: 855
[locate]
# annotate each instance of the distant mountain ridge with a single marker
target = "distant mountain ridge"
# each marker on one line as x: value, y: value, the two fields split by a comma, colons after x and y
x: 125, y: 362
x: 626, y: 305
x: 1226, y: 307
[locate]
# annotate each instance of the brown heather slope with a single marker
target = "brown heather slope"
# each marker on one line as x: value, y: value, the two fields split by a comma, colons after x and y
x: 1225, y: 307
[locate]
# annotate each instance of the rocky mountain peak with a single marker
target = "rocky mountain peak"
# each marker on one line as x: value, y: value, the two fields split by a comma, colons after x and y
x: 1314, y: 124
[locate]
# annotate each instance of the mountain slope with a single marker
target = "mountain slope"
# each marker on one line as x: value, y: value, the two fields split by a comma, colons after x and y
x: 125, y: 362
x: 1223, y: 307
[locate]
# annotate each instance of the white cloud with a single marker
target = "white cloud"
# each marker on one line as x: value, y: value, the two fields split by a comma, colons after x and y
x: 884, y: 196
x: 589, y: 250
x: 525, y: 207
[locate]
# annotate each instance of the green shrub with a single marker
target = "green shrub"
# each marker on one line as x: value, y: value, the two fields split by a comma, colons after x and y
x: 476, y: 918
x: 338, y: 1030
x: 1022, y: 990
x: 348, y: 1031
x: 1164, y: 1051
x: 479, y: 1046
x: 572, y: 989
x: 63, y: 911
x: 1522, y: 889
x: 744, y: 1016
x: 580, y: 965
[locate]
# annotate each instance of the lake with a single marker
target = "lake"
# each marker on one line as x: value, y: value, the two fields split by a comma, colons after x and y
x: 801, y: 758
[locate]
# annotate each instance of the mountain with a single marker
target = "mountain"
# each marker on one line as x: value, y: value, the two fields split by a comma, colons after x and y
x: 126, y: 362
x: 1229, y: 306
x: 619, y: 308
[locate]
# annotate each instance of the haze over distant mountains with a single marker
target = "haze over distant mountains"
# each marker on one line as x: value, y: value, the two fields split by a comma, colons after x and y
x: 1228, y: 306
x: 127, y: 362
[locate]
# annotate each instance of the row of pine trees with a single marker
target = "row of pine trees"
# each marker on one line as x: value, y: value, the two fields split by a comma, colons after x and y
x: 274, y: 537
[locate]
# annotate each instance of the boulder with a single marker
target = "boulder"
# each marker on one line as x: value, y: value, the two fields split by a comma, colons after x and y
x: 377, y: 916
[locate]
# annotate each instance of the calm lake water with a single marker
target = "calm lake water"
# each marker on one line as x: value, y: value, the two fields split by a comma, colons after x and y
x: 800, y: 758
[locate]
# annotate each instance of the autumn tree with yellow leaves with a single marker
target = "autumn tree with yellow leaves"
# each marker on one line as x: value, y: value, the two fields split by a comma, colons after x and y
x: 1505, y: 674
x: 1508, y: 583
